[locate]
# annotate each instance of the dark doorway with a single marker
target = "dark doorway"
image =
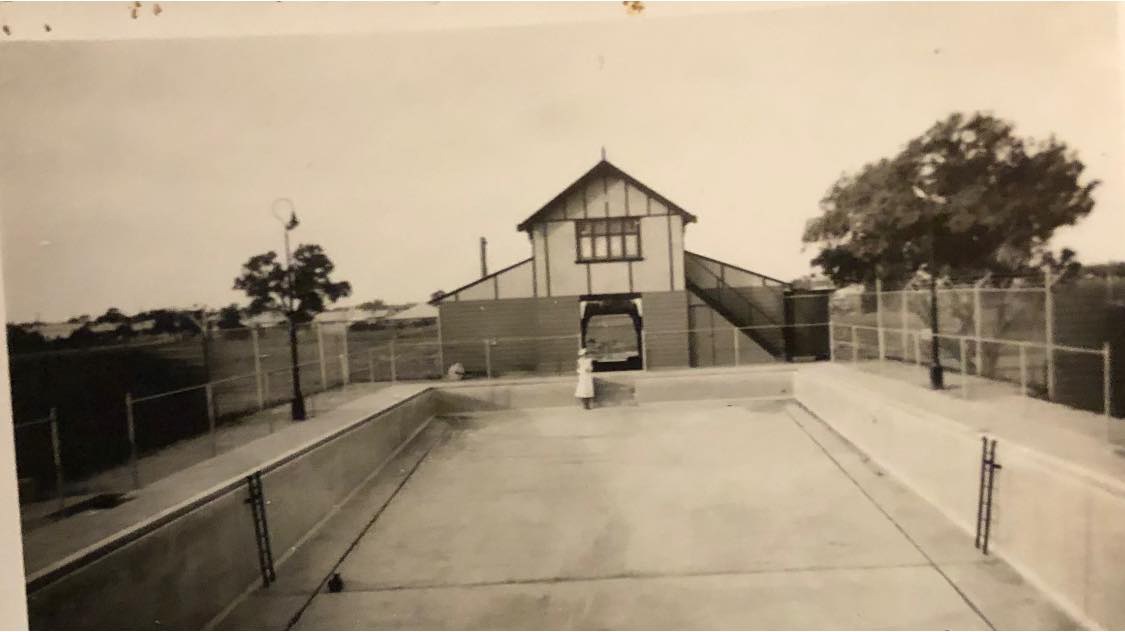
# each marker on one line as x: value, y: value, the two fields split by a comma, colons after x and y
x: 611, y: 332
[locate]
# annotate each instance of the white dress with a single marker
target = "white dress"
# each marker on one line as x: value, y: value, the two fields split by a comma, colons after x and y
x: 585, y: 378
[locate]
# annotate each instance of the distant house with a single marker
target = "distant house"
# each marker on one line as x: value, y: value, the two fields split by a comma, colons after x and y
x: 610, y: 248
x: 350, y: 316
x: 420, y: 314
x: 265, y: 319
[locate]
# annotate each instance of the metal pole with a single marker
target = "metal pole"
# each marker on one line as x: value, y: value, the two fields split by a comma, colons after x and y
x: 964, y: 367
x: 346, y: 374
x: 266, y: 387
x: 1023, y: 369
x: 978, y: 327
x: 904, y: 296
x: 855, y: 346
x: 937, y: 373
x: 488, y: 359
x: 1049, y: 308
x: 1107, y: 379
x: 56, y: 455
x: 831, y: 341
x: 879, y: 318
x: 644, y: 350
x: 211, y: 419
x: 737, y: 351
x: 132, y: 432
x: 258, y: 368
x: 394, y: 366
x: 320, y: 354
x: 441, y: 347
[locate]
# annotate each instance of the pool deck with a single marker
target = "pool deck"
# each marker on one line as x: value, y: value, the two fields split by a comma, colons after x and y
x: 700, y: 515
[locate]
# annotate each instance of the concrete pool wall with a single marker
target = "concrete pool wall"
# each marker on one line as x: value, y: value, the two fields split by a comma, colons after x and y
x: 187, y: 567
x: 1060, y: 524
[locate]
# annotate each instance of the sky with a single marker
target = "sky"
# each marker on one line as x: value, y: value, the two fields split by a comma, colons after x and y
x: 141, y: 156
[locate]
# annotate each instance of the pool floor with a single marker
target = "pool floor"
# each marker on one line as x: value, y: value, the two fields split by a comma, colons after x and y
x: 660, y: 516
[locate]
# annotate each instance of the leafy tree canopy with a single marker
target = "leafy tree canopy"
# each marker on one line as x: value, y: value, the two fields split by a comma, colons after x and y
x: 993, y: 202
x: 21, y: 340
x: 112, y: 315
x: 263, y: 279
x: 230, y: 317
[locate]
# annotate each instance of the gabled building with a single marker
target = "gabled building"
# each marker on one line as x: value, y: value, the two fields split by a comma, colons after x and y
x: 608, y: 270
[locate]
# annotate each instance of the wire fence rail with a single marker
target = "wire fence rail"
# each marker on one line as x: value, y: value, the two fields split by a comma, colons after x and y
x: 1056, y: 340
x: 196, y: 419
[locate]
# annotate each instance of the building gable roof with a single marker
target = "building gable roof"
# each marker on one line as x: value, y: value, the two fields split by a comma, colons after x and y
x: 603, y: 168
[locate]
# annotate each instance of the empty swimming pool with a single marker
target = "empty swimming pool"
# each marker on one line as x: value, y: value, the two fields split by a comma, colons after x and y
x: 691, y: 514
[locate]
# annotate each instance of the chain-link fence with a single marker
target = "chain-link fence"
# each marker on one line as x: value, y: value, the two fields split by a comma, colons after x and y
x: 224, y: 391
x: 1058, y: 341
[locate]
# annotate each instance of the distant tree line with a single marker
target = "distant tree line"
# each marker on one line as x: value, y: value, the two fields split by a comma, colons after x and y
x: 116, y: 327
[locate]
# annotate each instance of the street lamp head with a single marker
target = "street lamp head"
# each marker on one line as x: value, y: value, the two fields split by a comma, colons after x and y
x: 281, y: 208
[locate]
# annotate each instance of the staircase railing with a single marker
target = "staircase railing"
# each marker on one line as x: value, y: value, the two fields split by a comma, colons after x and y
x: 735, y: 306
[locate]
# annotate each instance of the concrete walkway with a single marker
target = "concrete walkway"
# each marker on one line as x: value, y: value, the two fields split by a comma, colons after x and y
x: 1090, y: 444
x: 181, y: 455
x: 195, y: 473
x: 659, y: 516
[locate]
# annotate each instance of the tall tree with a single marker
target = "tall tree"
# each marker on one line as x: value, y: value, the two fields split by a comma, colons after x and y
x: 989, y: 202
x: 300, y: 289
x: 301, y: 294
x: 968, y: 198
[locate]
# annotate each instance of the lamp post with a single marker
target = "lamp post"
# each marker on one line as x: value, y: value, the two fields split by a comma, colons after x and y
x: 927, y: 168
x: 297, y: 407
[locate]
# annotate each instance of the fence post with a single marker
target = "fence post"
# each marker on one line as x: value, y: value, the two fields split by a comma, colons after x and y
x: 1107, y: 380
x: 918, y: 348
x: 440, y: 349
x: 1023, y: 369
x: 488, y: 359
x: 266, y: 384
x: 211, y: 418
x: 346, y: 372
x: 344, y: 369
x: 904, y: 297
x: 56, y: 456
x: 831, y: 340
x: 371, y: 363
x: 879, y: 318
x: 737, y: 351
x: 964, y: 367
x: 978, y: 326
x: 132, y: 431
x: 394, y: 365
x: 320, y: 356
x: 258, y: 368
x: 1049, y: 308
x: 855, y: 346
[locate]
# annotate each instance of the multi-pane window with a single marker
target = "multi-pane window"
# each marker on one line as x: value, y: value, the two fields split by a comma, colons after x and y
x: 609, y: 239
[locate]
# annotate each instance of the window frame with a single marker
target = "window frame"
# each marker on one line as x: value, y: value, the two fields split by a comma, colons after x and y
x: 609, y: 229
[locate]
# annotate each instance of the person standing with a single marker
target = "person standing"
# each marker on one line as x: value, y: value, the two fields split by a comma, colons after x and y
x: 585, y: 390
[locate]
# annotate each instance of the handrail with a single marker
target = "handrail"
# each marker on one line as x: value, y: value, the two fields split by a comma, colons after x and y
x: 734, y: 267
x: 723, y: 283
